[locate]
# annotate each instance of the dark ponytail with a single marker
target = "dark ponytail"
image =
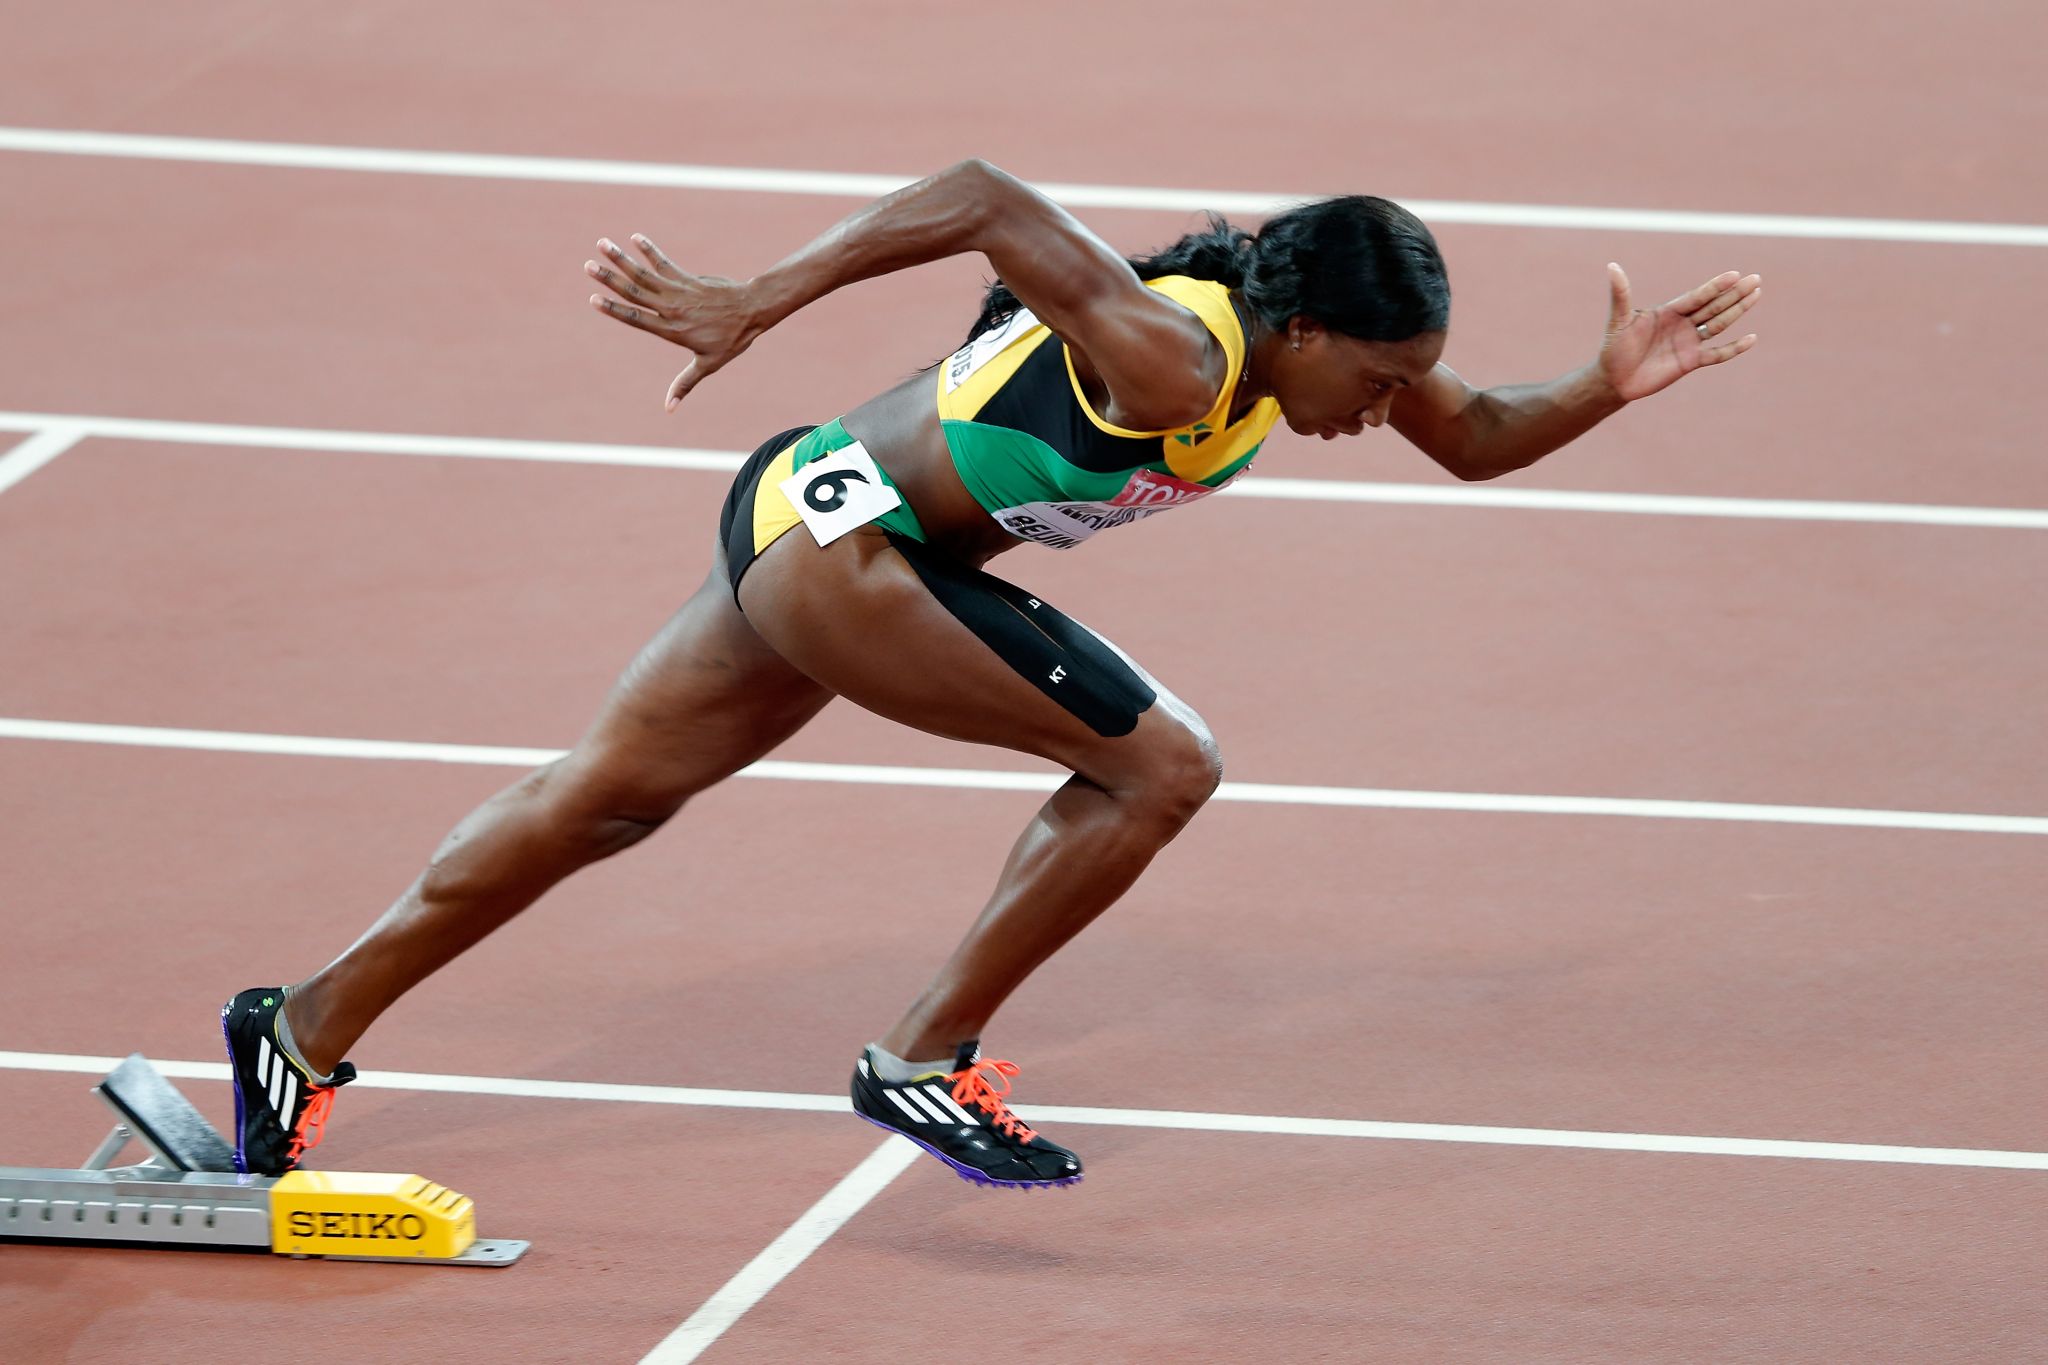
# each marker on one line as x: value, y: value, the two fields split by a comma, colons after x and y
x: 1222, y: 254
x: 1359, y: 265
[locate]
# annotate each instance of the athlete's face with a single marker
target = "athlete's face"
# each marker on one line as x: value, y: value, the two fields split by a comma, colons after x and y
x: 1330, y: 385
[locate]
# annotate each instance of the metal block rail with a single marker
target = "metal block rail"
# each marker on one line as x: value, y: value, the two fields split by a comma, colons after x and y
x: 187, y: 1194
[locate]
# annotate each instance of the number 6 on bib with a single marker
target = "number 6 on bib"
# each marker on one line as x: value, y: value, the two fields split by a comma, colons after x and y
x: 837, y: 492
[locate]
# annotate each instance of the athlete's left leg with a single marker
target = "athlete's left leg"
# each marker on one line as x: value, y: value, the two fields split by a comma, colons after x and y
x: 705, y: 698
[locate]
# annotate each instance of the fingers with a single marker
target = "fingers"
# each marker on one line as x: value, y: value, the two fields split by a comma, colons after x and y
x: 679, y: 387
x: 1715, y: 355
x: 639, y: 273
x: 653, y: 297
x: 654, y: 255
x: 1721, y: 314
x: 620, y: 285
x: 644, y: 319
x: 1617, y: 288
x: 1687, y: 304
x: 1726, y: 297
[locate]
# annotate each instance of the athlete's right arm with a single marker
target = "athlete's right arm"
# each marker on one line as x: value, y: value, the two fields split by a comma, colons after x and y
x: 1161, y: 365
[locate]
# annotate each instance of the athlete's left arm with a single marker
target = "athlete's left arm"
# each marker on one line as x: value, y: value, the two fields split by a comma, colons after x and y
x: 1485, y: 433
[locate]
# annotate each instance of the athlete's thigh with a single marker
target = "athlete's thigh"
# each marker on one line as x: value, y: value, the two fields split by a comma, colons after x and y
x: 704, y: 698
x: 858, y: 618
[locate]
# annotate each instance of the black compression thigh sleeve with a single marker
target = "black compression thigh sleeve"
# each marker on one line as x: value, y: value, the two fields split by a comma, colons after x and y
x: 1061, y: 657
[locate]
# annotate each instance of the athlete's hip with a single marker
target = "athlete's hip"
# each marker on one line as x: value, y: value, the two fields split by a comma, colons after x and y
x: 815, y: 477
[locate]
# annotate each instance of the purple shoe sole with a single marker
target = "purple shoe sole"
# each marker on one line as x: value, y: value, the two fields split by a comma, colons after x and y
x: 241, y: 1159
x: 968, y: 1173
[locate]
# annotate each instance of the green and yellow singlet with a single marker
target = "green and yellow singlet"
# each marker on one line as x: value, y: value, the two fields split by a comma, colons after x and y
x: 1041, y: 462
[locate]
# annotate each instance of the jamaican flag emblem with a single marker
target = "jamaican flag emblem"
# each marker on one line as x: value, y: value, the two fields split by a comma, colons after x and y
x: 1195, y: 435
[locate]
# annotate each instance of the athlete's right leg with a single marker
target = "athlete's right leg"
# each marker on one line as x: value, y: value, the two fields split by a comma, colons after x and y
x: 866, y: 619
x: 705, y: 698
x: 857, y: 617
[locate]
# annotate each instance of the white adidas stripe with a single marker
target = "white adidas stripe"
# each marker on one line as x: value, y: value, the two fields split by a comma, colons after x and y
x: 938, y: 1093
x: 291, y: 1094
x: 916, y: 1115
x: 932, y: 1112
x: 262, y: 1063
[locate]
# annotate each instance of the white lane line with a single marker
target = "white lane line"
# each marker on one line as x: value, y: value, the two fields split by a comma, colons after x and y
x: 1189, y: 1121
x: 980, y: 779
x: 784, y: 1254
x: 764, y: 180
x: 374, y: 442
x: 1299, y: 490
x: 38, y: 450
x: 1640, y: 504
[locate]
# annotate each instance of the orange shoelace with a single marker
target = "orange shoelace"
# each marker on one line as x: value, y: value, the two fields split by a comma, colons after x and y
x: 313, y: 1122
x: 972, y: 1087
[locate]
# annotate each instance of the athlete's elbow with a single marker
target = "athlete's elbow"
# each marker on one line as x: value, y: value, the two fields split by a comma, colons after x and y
x: 1494, y: 466
x: 976, y: 168
x: 981, y: 189
x: 1468, y: 465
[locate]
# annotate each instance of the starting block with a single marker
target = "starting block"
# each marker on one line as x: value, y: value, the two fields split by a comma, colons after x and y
x: 187, y: 1194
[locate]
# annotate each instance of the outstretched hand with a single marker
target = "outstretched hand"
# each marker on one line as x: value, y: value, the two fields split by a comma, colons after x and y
x: 1647, y: 351
x: 708, y: 316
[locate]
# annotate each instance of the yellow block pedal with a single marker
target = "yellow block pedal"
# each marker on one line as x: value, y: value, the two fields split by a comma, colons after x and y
x: 363, y: 1215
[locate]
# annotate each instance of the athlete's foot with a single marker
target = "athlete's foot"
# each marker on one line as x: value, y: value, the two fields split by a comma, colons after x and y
x: 280, y: 1107
x: 960, y: 1117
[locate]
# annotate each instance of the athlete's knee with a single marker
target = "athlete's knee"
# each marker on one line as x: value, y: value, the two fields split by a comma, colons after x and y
x: 1181, y: 769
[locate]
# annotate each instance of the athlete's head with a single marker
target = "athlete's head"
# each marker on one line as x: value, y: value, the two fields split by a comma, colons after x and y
x: 1356, y: 300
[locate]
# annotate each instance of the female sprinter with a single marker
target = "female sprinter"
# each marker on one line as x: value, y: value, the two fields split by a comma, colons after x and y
x: 1093, y: 391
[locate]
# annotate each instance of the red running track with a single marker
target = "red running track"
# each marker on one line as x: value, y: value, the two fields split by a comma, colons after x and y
x: 1537, y: 972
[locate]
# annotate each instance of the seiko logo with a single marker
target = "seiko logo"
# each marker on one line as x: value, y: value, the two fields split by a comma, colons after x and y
x: 388, y: 1227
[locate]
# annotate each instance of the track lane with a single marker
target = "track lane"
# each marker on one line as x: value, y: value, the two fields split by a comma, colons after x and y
x: 1636, y: 107
x: 1847, y: 398
x: 1403, y: 648
x: 1646, y: 978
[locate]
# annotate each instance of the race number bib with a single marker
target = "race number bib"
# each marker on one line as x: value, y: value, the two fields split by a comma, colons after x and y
x: 1063, y: 525
x: 837, y: 492
x: 960, y: 367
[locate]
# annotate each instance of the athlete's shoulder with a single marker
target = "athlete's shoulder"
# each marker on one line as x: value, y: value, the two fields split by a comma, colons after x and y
x: 1203, y: 296
x: 1208, y: 300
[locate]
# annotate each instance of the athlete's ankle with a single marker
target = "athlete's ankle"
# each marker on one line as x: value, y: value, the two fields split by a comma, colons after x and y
x: 931, y: 1035
x: 301, y: 1035
x: 923, y: 1045
x: 897, y: 1070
